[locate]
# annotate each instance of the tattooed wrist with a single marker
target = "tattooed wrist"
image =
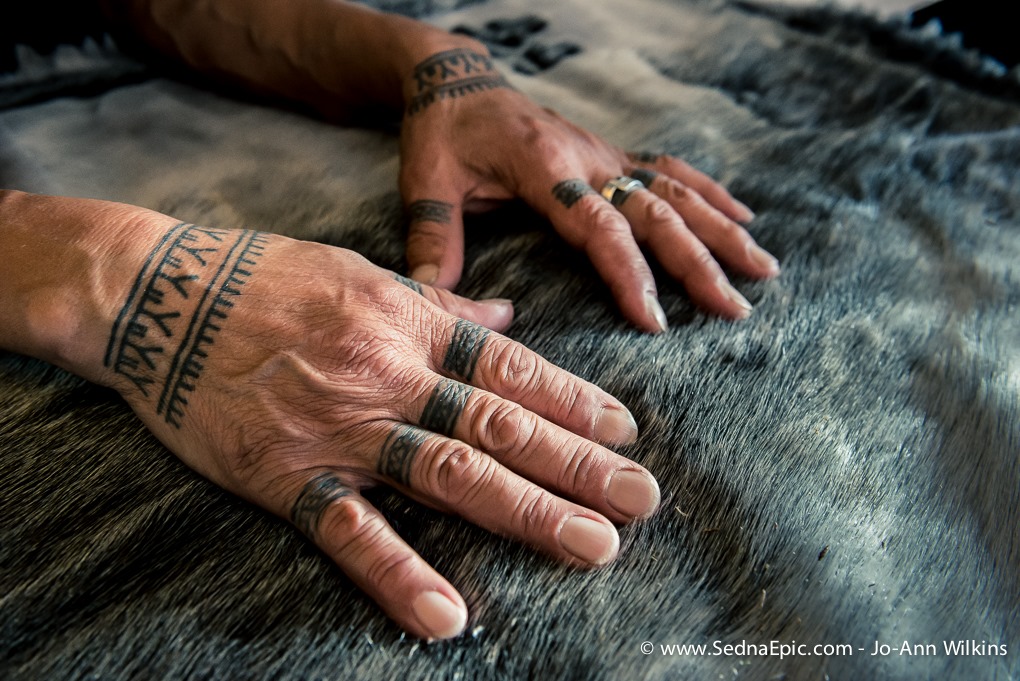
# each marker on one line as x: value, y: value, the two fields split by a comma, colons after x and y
x: 178, y: 303
x: 450, y: 74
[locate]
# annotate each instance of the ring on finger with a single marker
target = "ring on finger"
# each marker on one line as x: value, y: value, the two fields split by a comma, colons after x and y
x: 618, y: 189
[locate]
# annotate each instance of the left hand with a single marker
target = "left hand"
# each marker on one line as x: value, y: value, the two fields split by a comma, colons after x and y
x: 469, y: 139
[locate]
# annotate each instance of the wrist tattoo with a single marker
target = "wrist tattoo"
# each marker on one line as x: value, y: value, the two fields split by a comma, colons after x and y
x: 450, y: 74
x: 445, y: 406
x: 465, y: 347
x: 179, y: 301
x: 569, y: 192
x: 319, y: 493
x: 398, y: 452
x: 428, y: 210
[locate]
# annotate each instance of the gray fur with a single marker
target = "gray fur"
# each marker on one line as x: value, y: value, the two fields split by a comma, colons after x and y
x: 840, y: 468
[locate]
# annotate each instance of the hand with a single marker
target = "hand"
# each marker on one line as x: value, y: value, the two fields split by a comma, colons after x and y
x: 468, y: 139
x: 296, y: 375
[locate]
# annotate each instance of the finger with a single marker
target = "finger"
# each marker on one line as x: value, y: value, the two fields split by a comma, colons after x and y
x: 588, y: 222
x: 712, y: 191
x: 730, y: 242
x: 475, y: 356
x: 456, y: 476
x: 682, y: 254
x: 435, y: 237
x: 354, y: 534
x: 538, y: 450
x: 495, y: 313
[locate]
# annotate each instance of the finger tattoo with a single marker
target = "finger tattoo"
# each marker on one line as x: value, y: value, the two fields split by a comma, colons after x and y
x: 315, y: 497
x: 409, y: 283
x: 450, y: 74
x: 645, y: 156
x: 428, y: 210
x: 569, y: 192
x: 445, y: 406
x: 398, y: 452
x: 465, y: 348
x: 644, y: 176
x: 179, y: 302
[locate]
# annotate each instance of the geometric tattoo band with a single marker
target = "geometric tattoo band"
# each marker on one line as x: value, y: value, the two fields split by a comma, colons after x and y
x: 177, y: 304
x: 569, y: 192
x: 450, y: 74
x: 428, y: 210
x: 318, y: 494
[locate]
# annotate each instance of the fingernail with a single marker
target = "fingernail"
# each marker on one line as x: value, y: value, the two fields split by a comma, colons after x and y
x: 589, y: 540
x: 441, y: 617
x: 633, y: 493
x: 615, y: 425
x: 655, y: 310
x: 425, y: 274
x: 763, y: 258
x: 744, y: 214
x: 734, y: 295
x: 498, y: 302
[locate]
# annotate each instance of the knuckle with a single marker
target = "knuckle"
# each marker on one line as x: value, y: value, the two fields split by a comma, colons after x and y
x: 504, y: 427
x: 581, y: 469
x: 702, y: 260
x: 533, y: 510
x: 658, y: 211
x: 604, y: 222
x: 516, y: 366
x: 345, y: 522
x: 574, y: 403
x: 678, y: 192
x: 390, y: 568
x: 458, y: 471
x: 542, y: 137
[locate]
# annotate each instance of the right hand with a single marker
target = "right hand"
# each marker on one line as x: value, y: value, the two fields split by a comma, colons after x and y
x: 322, y: 374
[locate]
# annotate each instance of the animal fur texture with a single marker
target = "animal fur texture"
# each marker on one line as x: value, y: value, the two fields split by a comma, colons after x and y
x: 841, y: 468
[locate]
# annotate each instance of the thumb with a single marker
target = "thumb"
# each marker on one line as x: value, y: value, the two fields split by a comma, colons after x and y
x: 435, y: 237
x: 495, y: 313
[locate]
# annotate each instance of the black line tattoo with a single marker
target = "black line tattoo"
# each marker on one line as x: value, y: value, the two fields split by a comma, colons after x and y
x: 453, y: 73
x: 645, y: 156
x: 409, y: 283
x: 427, y: 210
x: 569, y: 192
x: 644, y: 176
x: 398, y: 452
x: 465, y: 347
x: 179, y: 300
x: 445, y: 406
x: 319, y: 493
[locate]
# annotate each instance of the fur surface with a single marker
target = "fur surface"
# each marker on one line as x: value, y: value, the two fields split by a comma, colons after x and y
x: 842, y: 468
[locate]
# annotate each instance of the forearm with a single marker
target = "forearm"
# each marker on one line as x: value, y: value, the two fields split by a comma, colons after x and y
x: 335, y: 56
x: 65, y: 268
